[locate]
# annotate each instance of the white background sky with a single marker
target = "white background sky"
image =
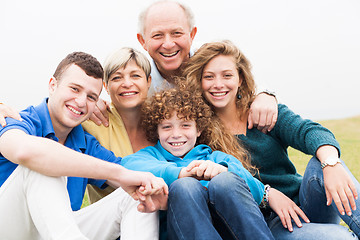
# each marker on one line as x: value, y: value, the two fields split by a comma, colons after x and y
x: 308, y: 51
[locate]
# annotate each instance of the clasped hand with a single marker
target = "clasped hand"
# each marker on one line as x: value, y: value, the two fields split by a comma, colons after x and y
x: 151, y: 192
x: 202, y: 170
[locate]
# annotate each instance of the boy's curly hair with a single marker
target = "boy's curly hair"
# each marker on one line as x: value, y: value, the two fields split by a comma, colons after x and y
x: 190, y: 105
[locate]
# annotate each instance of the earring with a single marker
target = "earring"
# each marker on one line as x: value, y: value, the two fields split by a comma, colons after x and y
x: 238, y: 94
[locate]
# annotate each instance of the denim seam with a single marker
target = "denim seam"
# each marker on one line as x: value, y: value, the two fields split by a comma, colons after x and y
x: 312, y: 179
x: 224, y: 221
x: 354, y: 221
x: 175, y: 221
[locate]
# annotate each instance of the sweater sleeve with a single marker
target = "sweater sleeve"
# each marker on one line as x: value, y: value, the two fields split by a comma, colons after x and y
x: 150, y: 160
x: 302, y: 134
x: 235, y: 166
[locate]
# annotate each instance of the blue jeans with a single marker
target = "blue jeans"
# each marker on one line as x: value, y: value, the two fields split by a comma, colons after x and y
x: 226, y: 210
x: 324, y: 220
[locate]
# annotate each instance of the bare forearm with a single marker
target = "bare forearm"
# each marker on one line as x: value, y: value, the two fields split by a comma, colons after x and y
x: 53, y: 159
x: 325, y: 152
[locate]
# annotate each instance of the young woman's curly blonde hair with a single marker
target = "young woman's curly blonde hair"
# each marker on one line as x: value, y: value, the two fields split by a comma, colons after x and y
x: 189, y: 105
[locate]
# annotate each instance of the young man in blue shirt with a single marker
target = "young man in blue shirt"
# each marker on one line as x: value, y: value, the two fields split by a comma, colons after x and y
x: 37, y: 199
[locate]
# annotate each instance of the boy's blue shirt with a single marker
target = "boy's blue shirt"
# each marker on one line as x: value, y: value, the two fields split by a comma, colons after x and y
x: 161, y: 163
x: 37, y: 122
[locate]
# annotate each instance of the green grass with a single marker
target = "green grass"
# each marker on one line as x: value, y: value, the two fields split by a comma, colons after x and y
x: 85, y: 201
x: 347, y: 132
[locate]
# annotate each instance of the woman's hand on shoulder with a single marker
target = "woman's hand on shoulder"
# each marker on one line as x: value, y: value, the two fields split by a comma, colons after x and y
x: 286, y: 209
x: 6, y: 111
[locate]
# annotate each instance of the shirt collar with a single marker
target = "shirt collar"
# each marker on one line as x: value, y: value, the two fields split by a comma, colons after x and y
x: 114, y: 111
x: 44, y: 116
x: 198, y: 152
x: 158, y: 83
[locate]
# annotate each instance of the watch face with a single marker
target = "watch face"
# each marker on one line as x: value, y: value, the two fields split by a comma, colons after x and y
x: 331, y: 161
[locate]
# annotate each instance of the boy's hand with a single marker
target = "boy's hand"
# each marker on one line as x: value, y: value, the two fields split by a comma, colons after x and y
x: 153, y: 203
x: 203, y: 170
x: 151, y: 191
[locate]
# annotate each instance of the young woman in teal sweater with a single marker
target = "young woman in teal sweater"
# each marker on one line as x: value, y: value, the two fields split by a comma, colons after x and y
x: 327, y: 191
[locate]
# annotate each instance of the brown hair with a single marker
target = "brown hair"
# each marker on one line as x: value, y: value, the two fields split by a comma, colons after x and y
x: 193, y: 71
x: 89, y: 64
x: 189, y: 105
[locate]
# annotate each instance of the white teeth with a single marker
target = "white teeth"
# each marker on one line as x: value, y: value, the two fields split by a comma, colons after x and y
x: 218, y: 94
x: 128, y: 94
x: 74, y: 111
x: 170, y: 54
x: 177, y: 144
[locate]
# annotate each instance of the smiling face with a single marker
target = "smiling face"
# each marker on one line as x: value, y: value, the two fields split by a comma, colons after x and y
x: 128, y: 86
x: 220, y: 82
x: 178, y: 136
x: 72, y: 98
x: 167, y: 36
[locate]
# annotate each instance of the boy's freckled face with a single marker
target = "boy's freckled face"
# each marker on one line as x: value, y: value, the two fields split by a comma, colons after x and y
x: 178, y: 136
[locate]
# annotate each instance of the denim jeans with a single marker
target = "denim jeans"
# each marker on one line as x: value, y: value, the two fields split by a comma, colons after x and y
x: 226, y: 210
x: 324, y: 220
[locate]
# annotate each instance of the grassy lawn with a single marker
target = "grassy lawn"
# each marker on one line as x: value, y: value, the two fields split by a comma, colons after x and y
x: 347, y: 132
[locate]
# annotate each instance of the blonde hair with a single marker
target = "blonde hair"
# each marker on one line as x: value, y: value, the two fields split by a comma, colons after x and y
x: 121, y: 57
x: 190, y: 105
x: 193, y: 71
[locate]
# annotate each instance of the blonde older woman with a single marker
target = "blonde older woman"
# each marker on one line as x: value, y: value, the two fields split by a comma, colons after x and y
x: 126, y: 80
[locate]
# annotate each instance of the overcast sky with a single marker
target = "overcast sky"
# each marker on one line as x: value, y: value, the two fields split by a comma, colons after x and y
x: 308, y: 51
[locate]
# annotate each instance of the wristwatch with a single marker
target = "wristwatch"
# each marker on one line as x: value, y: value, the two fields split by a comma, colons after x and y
x: 269, y: 92
x: 331, y: 161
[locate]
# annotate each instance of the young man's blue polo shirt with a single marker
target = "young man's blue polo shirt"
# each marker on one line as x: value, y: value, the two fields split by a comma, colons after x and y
x: 37, y: 122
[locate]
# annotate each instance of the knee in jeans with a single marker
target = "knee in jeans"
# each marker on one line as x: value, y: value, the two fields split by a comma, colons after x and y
x: 226, y: 181
x: 313, y: 176
x: 313, y: 169
x: 184, y: 186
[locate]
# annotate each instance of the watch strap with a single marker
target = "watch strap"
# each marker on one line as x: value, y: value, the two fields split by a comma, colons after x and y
x: 325, y: 164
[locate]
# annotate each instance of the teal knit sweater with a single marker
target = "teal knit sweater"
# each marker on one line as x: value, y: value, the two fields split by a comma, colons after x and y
x: 269, y: 151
